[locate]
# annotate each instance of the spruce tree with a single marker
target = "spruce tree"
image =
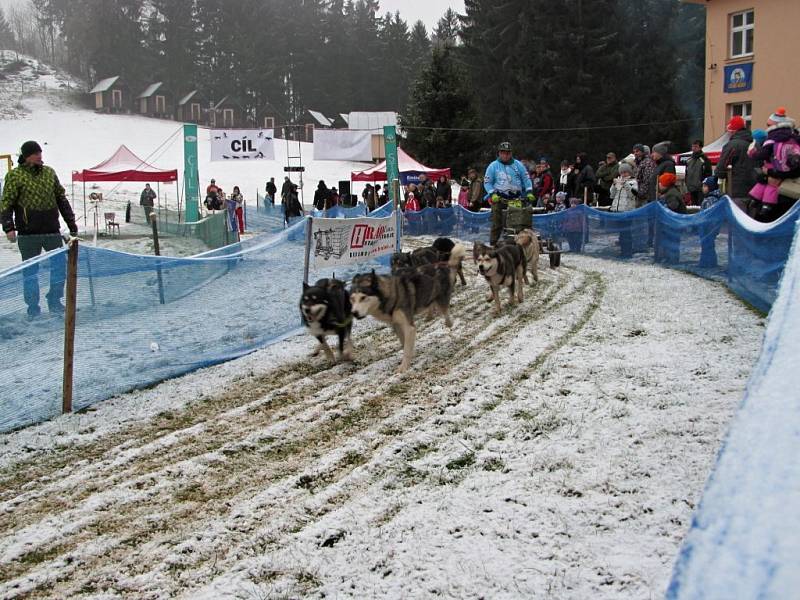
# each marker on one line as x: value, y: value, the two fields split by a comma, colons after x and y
x: 172, y: 32
x: 394, y: 74
x: 441, y: 98
x: 420, y: 51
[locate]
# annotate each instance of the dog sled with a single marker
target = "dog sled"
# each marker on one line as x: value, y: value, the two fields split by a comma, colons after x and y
x: 517, y: 218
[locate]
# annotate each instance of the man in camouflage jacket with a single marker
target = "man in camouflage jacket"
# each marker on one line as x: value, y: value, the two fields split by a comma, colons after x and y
x: 32, y: 200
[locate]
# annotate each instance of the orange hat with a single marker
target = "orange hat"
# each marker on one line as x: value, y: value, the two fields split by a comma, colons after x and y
x: 666, y: 180
x: 736, y: 123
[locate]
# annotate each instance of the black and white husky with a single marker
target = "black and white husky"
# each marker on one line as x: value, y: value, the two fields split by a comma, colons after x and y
x: 325, y: 310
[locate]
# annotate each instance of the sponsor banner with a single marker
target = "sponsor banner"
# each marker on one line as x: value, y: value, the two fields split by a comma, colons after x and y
x: 738, y: 78
x: 342, y: 144
x: 347, y: 241
x: 242, y: 144
x: 191, y: 176
x: 392, y: 163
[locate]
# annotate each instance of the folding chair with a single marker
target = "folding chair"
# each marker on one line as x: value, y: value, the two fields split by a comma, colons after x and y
x: 111, y: 223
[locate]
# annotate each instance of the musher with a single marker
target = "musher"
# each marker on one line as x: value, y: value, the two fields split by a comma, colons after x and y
x: 505, y: 181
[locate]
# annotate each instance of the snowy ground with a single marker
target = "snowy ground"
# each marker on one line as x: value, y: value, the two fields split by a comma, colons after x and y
x: 556, y: 451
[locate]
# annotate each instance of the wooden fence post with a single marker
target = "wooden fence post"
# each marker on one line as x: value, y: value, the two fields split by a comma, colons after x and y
x: 69, y: 325
x: 157, y: 249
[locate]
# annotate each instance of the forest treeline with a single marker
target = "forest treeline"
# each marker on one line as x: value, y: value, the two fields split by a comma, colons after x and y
x: 560, y: 76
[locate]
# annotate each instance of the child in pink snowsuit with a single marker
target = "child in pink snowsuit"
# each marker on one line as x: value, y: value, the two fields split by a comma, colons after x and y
x: 780, y: 154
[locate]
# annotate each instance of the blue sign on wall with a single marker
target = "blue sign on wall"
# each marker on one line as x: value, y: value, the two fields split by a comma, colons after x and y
x: 738, y: 78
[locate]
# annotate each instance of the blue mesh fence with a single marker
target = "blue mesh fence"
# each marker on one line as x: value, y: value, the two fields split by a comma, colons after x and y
x: 142, y: 319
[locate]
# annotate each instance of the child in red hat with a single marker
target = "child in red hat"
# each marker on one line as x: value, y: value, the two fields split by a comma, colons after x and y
x: 671, y: 196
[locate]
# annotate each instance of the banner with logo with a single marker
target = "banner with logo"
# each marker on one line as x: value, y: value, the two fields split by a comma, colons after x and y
x: 342, y: 144
x: 738, y: 78
x: 334, y: 242
x: 242, y: 144
x: 191, y: 176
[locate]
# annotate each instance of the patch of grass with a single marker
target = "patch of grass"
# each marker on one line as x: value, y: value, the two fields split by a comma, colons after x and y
x: 308, y: 579
x: 558, y: 464
x: 462, y: 462
x: 419, y: 450
x: 397, y: 389
x: 490, y: 405
x: 499, y: 435
x: 353, y: 459
x: 493, y: 463
x: 387, y: 515
x: 38, y: 556
x: 193, y: 492
x: 541, y: 422
x: 411, y: 475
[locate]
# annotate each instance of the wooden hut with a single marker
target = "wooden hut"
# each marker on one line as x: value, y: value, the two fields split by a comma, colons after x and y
x: 310, y: 120
x: 193, y: 108
x: 267, y: 117
x: 228, y: 114
x: 111, y: 95
x: 156, y: 101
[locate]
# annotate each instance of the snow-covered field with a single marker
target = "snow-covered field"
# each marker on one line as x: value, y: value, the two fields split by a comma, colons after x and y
x: 557, y: 451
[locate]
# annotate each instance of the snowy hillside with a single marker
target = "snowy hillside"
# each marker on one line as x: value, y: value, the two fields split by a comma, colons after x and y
x: 23, y: 77
x: 75, y: 138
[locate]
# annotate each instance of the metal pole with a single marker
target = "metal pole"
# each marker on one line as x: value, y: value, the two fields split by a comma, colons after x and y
x: 308, y: 248
x: 69, y: 325
x: 85, y: 217
x: 398, y: 213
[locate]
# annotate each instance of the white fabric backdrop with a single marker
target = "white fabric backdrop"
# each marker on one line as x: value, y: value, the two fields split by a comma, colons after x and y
x: 342, y: 144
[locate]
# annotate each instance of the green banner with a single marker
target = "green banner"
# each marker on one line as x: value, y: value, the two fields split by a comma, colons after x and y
x: 191, y: 176
x: 392, y: 166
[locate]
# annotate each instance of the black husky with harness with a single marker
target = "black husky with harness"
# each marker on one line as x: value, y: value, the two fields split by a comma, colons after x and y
x: 325, y: 310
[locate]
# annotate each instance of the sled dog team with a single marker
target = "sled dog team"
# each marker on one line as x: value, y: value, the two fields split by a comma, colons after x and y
x: 421, y: 283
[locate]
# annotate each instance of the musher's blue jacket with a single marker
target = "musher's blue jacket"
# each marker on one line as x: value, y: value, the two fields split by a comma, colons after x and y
x: 509, y: 178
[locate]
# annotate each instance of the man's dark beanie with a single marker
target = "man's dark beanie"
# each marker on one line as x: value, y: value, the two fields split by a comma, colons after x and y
x: 28, y: 148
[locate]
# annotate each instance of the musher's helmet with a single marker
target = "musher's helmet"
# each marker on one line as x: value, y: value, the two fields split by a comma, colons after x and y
x: 504, y: 147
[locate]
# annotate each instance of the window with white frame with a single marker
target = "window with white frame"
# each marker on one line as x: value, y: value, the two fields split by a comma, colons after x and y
x: 161, y: 105
x: 269, y: 122
x: 227, y: 117
x: 195, y: 108
x: 742, y: 28
x: 741, y: 109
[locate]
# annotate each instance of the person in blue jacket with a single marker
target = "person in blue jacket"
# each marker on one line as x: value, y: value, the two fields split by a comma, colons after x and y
x: 506, y: 181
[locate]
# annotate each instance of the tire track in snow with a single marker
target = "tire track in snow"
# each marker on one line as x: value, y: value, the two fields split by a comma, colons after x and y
x: 326, y: 383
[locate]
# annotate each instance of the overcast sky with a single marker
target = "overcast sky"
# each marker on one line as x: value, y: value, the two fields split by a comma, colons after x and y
x: 428, y: 11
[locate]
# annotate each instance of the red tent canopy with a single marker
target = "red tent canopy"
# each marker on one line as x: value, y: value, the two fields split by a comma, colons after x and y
x: 124, y: 165
x: 712, y: 150
x: 409, y: 170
